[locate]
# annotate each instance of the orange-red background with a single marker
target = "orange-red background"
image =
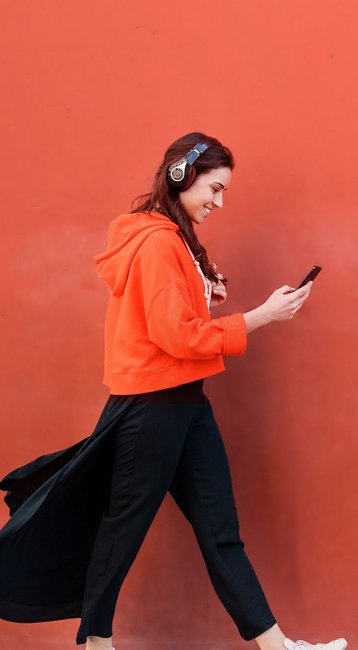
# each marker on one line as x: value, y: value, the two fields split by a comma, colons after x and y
x: 93, y: 93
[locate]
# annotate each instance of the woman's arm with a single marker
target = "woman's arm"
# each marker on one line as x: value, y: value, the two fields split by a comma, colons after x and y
x: 175, y: 327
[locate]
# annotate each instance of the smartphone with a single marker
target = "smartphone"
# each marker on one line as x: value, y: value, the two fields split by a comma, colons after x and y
x: 310, y: 276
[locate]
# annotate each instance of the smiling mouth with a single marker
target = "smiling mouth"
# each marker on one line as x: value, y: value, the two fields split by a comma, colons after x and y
x: 207, y: 210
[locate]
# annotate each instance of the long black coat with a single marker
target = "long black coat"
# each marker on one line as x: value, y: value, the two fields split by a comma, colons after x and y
x: 56, y: 503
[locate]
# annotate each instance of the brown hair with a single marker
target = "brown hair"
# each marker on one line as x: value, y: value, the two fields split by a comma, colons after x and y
x: 165, y: 199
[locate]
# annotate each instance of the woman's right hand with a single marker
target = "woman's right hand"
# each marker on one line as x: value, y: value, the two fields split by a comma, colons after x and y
x: 282, y: 305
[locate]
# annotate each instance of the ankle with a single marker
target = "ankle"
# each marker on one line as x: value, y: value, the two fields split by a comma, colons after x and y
x: 99, y: 643
x: 271, y: 639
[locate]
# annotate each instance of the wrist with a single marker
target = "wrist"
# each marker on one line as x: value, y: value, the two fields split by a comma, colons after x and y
x: 257, y: 317
x: 265, y: 314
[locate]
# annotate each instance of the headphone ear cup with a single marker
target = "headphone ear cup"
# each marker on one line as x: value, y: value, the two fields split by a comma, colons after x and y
x: 174, y: 182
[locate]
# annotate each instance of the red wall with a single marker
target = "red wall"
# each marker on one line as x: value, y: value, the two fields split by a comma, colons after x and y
x: 94, y: 93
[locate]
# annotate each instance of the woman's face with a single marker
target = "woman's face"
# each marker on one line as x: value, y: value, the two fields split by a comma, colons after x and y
x: 205, y: 194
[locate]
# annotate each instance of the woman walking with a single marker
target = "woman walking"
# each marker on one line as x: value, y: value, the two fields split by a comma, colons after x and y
x: 157, y: 432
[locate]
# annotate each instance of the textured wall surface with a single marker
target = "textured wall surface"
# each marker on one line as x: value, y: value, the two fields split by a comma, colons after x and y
x: 93, y: 93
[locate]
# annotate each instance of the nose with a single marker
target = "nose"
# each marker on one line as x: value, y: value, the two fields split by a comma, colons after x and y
x: 218, y: 200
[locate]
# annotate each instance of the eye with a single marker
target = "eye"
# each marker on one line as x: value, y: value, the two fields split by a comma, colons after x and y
x: 214, y: 189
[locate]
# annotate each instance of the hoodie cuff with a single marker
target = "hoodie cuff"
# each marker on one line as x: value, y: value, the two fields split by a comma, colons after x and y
x: 234, y: 334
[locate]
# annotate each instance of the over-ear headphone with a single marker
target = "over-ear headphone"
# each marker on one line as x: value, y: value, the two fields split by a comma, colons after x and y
x: 181, y: 173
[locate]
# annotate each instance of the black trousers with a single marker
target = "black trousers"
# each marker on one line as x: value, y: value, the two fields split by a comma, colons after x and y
x: 169, y: 440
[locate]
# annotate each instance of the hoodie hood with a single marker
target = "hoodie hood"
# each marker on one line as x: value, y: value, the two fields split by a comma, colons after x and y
x: 126, y: 234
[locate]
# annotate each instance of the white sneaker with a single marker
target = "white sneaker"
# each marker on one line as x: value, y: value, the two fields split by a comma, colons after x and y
x: 338, y: 644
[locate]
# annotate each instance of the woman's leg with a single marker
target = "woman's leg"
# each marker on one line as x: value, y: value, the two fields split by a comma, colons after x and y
x: 202, y: 489
x: 146, y: 449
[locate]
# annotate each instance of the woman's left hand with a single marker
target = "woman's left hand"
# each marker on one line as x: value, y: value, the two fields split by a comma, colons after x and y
x: 219, y: 294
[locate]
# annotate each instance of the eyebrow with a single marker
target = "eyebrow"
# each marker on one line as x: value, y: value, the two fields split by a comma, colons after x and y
x: 221, y: 185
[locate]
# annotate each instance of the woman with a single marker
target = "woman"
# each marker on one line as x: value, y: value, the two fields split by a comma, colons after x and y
x: 157, y: 432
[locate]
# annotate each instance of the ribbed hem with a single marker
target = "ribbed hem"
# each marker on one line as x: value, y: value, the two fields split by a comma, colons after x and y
x: 178, y: 373
x: 235, y: 334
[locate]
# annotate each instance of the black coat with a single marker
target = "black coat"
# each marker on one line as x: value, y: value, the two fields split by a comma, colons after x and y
x: 56, y: 503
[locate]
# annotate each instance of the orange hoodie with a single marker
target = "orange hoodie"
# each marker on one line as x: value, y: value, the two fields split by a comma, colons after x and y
x: 158, y: 329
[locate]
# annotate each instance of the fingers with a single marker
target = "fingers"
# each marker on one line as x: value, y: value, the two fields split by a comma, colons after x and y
x: 218, y: 286
x: 298, y: 292
x: 304, y: 290
x: 302, y: 295
x: 219, y: 293
x: 286, y: 289
x: 218, y: 275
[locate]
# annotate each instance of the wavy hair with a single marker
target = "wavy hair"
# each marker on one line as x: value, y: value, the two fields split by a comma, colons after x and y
x: 165, y: 199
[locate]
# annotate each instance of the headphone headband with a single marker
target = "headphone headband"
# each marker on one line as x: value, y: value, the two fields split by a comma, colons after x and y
x: 180, y: 170
x: 195, y: 152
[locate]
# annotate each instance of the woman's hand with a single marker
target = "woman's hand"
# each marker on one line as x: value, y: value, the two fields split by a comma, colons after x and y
x: 281, y: 305
x: 219, y: 293
x: 285, y: 301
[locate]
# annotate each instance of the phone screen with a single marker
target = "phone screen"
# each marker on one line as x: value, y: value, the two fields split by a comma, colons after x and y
x: 310, y: 276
